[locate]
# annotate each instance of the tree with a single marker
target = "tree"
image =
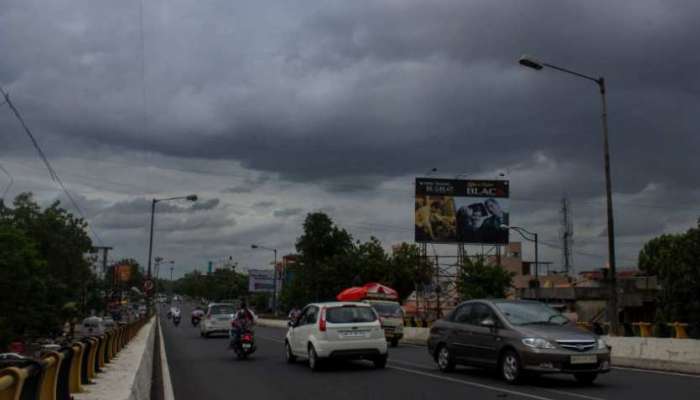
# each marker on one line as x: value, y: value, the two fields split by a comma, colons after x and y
x: 324, y: 264
x: 476, y: 279
x: 408, y: 269
x: 23, y: 286
x: 675, y: 260
x: 56, y: 239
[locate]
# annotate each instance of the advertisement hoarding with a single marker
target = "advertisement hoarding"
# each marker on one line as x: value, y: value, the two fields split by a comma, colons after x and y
x: 123, y: 272
x: 461, y: 211
x: 261, y: 280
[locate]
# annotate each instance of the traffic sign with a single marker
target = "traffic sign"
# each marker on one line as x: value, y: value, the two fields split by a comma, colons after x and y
x: 148, y: 285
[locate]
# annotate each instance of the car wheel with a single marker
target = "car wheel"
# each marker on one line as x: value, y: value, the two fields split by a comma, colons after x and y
x: 314, y: 362
x: 586, y: 378
x: 394, y: 342
x: 291, y: 358
x: 444, y: 359
x: 380, y: 362
x: 510, y: 367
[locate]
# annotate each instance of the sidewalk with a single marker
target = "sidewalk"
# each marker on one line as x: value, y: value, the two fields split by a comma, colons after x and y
x: 128, y: 376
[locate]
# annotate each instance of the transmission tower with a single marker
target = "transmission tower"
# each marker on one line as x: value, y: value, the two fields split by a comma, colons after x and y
x: 566, y: 235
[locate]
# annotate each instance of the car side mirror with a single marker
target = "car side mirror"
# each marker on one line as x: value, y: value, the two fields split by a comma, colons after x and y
x: 290, y: 324
x: 489, y: 323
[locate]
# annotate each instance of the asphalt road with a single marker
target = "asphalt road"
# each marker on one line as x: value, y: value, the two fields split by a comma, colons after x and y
x: 205, y: 369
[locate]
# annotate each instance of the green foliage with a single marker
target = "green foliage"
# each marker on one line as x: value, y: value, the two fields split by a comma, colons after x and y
x: 675, y: 260
x: 43, y: 266
x: 478, y: 280
x: 329, y: 261
x: 23, y: 285
x: 221, y: 284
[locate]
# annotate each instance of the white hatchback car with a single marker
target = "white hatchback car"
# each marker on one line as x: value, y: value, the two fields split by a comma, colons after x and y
x: 338, y: 330
x: 217, y: 319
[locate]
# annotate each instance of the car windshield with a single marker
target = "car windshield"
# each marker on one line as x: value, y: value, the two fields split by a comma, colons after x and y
x: 350, y: 314
x: 225, y: 309
x: 530, y: 313
x: 387, y: 309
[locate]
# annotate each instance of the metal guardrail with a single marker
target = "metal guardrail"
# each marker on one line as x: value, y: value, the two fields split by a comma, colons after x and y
x: 58, y: 374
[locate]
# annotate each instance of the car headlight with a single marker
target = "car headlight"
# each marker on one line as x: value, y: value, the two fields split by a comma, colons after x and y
x: 602, y: 345
x: 537, y: 343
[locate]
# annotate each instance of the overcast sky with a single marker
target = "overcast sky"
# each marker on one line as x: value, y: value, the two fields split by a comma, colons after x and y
x: 270, y: 110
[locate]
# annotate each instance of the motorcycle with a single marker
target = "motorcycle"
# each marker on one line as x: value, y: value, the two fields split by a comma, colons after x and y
x: 244, y: 346
x: 195, y: 320
x: 176, y: 319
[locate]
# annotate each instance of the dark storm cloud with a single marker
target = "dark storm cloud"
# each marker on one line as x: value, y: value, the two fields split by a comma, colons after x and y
x: 287, y: 212
x: 357, y: 89
x: 208, y: 204
x: 264, y: 204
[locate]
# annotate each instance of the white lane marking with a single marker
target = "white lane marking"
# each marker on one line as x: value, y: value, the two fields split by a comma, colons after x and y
x: 392, y: 360
x: 469, y: 383
x: 565, y: 393
x: 168, y: 393
x: 651, y: 371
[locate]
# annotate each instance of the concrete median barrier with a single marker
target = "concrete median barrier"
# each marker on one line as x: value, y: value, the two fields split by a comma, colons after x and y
x: 128, y: 376
x: 676, y: 355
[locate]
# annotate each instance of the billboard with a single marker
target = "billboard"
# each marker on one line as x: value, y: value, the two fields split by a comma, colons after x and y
x: 261, y: 280
x: 461, y: 211
x: 123, y: 272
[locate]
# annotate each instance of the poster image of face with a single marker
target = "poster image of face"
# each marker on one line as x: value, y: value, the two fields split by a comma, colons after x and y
x: 481, y: 220
x: 461, y: 211
x: 435, y: 219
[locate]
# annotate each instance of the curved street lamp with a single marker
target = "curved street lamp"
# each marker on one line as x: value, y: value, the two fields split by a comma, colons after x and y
x: 531, y: 62
x: 191, y: 197
x: 531, y: 237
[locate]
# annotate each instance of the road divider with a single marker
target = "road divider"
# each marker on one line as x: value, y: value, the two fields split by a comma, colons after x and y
x: 60, y: 374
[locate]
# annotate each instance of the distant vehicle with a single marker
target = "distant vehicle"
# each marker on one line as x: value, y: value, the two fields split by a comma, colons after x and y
x: 516, y: 337
x: 108, y: 322
x: 337, y: 330
x: 391, y: 318
x: 217, y: 319
x: 92, y: 326
x: 196, y: 316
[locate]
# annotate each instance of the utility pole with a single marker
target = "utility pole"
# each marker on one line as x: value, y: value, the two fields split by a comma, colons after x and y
x: 566, y: 234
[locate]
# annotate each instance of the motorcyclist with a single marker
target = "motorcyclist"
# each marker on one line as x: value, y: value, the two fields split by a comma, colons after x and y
x: 175, y: 311
x: 241, y: 323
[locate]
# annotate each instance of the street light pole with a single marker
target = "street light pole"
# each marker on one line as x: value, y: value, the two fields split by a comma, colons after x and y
x: 150, y: 240
x: 534, y: 238
x: 612, y: 276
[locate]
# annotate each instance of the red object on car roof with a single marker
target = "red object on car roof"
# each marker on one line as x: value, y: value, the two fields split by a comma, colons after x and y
x: 371, y: 290
x: 355, y: 293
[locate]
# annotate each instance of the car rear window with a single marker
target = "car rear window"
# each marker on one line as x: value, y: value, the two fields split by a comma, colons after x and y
x: 350, y: 314
x: 387, y: 309
x: 218, y: 310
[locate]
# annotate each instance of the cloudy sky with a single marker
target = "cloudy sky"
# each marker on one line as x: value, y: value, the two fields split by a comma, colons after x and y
x: 270, y: 110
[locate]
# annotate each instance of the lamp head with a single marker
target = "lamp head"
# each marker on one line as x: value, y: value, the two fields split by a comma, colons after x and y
x: 530, y: 62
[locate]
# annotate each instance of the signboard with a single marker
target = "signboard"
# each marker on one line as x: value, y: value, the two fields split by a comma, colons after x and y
x: 148, y: 285
x: 261, y: 280
x: 461, y: 211
x: 123, y: 272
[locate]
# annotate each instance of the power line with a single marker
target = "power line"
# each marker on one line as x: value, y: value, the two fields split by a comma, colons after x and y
x: 52, y: 173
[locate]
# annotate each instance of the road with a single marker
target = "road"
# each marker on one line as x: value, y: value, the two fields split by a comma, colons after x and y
x: 204, y: 369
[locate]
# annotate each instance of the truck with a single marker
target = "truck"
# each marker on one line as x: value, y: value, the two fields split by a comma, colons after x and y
x: 385, y: 302
x: 391, y: 318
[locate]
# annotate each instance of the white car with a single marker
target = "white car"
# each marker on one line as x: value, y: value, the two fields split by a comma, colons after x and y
x: 217, y: 319
x: 338, y: 330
